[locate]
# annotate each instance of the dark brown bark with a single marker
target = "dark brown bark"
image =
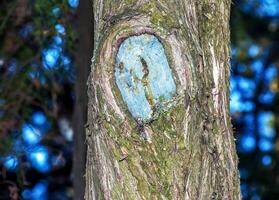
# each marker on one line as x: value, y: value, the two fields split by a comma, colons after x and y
x: 83, y: 61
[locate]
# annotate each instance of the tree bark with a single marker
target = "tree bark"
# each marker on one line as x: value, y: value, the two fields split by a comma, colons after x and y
x: 82, y: 62
x: 186, y: 151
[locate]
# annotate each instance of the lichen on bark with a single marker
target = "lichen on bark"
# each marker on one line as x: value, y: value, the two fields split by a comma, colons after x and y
x: 143, y: 76
x: 187, y: 151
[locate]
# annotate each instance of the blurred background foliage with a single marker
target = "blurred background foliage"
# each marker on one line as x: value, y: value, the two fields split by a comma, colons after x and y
x: 38, y: 76
x: 254, y: 95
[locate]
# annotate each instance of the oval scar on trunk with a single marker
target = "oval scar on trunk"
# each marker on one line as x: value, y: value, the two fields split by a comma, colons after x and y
x: 143, y: 76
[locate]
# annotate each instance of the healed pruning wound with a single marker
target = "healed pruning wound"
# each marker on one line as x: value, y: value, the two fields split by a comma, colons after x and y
x: 143, y: 75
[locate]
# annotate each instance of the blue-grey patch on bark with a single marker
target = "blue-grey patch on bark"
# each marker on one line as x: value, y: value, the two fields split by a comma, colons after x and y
x: 143, y: 75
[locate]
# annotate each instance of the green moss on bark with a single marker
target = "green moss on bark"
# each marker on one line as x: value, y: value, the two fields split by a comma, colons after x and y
x: 153, y: 160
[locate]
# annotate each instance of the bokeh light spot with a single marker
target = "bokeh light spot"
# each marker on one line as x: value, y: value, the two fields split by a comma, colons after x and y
x: 253, y: 50
x: 39, y: 158
x: 10, y: 163
x: 73, y: 3
x: 264, y: 124
x: 39, y: 191
x: 50, y: 57
x: 30, y: 134
x: 39, y: 118
x: 60, y: 28
x: 266, y: 160
x: 56, y: 11
x: 248, y: 143
x: 265, y: 145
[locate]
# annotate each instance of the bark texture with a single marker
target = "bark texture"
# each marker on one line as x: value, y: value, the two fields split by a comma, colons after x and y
x: 190, y: 151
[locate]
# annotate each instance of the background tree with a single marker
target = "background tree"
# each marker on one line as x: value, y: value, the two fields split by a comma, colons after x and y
x: 83, y: 61
x: 179, y: 144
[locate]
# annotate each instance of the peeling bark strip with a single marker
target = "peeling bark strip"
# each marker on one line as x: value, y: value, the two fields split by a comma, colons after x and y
x: 174, y: 142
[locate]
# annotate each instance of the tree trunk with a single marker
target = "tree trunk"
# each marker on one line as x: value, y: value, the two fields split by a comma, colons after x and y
x: 82, y: 62
x: 165, y: 145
